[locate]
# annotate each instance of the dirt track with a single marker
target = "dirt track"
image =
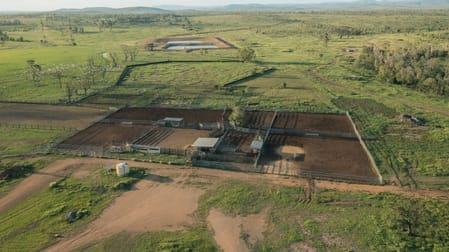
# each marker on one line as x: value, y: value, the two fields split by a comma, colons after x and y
x: 64, y: 167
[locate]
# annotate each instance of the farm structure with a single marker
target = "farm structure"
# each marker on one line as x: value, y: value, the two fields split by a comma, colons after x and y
x: 187, y: 43
x: 285, y: 143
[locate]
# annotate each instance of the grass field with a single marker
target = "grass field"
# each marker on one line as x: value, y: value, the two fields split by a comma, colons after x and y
x: 23, y: 140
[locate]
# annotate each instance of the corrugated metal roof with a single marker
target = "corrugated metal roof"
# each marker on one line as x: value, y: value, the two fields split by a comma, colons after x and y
x: 173, y: 119
x: 205, y: 142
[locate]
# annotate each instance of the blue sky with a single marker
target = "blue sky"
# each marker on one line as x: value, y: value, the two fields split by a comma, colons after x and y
x: 44, y: 5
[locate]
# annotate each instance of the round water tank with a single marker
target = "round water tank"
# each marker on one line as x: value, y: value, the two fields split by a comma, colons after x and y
x: 122, y: 169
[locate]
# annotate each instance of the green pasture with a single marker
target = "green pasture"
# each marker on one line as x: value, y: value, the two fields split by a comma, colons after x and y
x: 23, y: 140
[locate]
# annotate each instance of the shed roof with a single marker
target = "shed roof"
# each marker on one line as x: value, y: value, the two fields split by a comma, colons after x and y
x: 173, y: 119
x: 205, y: 142
x: 256, y: 145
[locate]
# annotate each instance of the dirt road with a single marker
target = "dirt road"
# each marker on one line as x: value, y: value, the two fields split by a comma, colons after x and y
x: 65, y: 167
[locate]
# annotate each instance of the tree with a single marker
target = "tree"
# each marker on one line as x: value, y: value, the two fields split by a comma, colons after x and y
x: 70, y: 87
x: 34, y: 71
x: 325, y: 38
x: 84, y: 83
x: 130, y: 52
x: 58, y: 72
x: 238, y: 117
x: 90, y: 70
x: 246, y: 54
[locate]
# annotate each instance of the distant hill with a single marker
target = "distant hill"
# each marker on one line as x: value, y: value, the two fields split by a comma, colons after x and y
x: 344, y: 5
x: 128, y: 10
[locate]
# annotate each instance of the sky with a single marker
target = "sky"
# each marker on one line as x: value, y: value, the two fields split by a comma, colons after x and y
x: 48, y: 5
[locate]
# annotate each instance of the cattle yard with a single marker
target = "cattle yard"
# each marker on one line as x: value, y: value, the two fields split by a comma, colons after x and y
x: 285, y: 143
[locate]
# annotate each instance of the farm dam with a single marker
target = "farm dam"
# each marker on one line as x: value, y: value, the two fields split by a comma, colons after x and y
x: 326, y: 146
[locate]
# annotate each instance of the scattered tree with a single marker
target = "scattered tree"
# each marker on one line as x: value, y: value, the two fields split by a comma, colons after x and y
x: 129, y: 52
x: 325, y: 37
x: 246, y: 54
x: 238, y: 117
x: 58, y: 72
x: 34, y: 71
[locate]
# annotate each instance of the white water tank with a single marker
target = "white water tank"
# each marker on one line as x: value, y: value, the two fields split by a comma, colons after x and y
x: 122, y: 169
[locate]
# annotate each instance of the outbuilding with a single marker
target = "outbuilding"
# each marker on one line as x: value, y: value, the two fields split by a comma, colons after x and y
x: 205, y: 144
x: 173, y: 121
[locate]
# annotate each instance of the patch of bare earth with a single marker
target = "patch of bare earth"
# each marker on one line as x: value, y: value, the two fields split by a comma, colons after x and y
x: 301, y: 247
x: 236, y: 233
x: 151, y: 206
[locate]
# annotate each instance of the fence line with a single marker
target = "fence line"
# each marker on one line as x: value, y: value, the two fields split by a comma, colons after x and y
x: 370, y: 157
x: 35, y: 126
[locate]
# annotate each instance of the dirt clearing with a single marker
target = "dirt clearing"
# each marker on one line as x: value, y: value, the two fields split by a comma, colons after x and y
x: 49, y: 115
x: 151, y: 206
x: 236, y: 233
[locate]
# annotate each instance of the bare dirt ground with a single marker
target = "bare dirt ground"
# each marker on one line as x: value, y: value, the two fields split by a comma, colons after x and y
x: 151, y: 206
x: 181, y: 138
x: 228, y: 231
x: 48, y: 115
x: 166, y: 205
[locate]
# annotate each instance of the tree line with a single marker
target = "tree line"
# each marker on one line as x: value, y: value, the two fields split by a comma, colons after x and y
x: 424, y: 68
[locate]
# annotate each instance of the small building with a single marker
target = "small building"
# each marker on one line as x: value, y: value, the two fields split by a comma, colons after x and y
x: 173, y: 121
x: 256, y: 146
x: 206, y: 144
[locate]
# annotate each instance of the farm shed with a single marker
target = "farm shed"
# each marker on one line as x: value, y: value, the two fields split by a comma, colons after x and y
x: 205, y: 144
x: 173, y: 121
